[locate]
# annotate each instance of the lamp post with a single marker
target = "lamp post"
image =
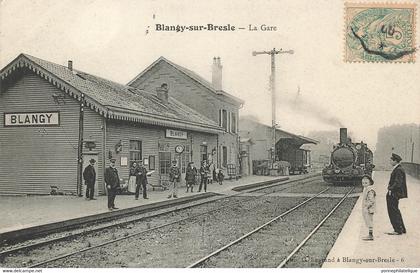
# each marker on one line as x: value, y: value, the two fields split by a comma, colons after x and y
x: 272, y: 53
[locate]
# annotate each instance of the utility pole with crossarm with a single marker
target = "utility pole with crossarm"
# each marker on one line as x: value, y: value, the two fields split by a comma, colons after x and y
x: 272, y: 53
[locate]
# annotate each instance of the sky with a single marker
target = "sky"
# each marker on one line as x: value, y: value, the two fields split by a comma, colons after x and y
x: 108, y: 39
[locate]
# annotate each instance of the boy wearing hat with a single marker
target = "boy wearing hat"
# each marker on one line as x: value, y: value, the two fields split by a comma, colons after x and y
x: 112, y: 182
x: 89, y: 175
x: 397, y: 189
x: 174, y: 178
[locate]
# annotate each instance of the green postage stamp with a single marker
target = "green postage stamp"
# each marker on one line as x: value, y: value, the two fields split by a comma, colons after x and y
x: 380, y: 32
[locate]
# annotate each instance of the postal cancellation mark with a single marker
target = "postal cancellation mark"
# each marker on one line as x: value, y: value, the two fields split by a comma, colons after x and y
x: 380, y: 32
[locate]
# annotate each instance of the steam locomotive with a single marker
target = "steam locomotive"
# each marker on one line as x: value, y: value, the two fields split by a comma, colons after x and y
x: 349, y: 161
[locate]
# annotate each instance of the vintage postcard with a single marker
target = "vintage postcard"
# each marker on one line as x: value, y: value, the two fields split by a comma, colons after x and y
x: 144, y: 135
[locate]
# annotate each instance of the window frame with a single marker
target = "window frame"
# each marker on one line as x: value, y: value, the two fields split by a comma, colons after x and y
x: 130, y: 151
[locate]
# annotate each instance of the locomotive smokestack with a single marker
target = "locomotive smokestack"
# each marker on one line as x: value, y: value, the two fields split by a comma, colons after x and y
x: 343, y: 135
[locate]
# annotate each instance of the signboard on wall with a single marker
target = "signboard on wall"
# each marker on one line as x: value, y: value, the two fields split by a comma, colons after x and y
x: 32, y: 119
x: 124, y: 161
x: 176, y: 134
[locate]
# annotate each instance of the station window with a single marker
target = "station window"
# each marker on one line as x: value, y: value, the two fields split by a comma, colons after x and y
x: 164, y: 162
x: 152, y: 163
x: 185, y: 158
x: 135, y: 151
x: 203, y: 152
x: 224, y: 119
x: 233, y: 123
x: 225, y: 154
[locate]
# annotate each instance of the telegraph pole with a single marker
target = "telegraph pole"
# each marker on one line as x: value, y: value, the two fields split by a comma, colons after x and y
x: 273, y: 53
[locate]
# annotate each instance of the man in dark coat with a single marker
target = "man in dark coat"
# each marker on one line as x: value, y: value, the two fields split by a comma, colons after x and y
x: 397, y: 189
x: 190, y: 176
x: 89, y: 175
x: 204, y: 170
x: 141, y: 180
x: 112, y: 182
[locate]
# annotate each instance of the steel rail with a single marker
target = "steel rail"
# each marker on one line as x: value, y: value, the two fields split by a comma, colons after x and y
x: 283, y: 263
x: 151, y: 215
x: 164, y: 225
x: 199, y: 262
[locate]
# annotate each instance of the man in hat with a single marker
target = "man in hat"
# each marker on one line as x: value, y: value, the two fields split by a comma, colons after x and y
x: 204, y: 170
x: 174, y: 178
x: 112, y: 182
x: 89, y: 175
x: 141, y: 180
x: 397, y: 189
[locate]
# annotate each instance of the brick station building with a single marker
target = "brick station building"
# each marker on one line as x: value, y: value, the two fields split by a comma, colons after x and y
x: 54, y: 118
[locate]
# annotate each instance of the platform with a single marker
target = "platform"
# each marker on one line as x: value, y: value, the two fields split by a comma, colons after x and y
x: 21, y: 212
x: 386, y: 251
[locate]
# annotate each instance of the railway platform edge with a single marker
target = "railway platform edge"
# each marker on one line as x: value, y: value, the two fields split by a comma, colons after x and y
x: 25, y: 214
x: 385, y: 251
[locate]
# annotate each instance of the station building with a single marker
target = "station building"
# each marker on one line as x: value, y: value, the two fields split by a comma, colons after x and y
x: 54, y: 118
x: 209, y: 99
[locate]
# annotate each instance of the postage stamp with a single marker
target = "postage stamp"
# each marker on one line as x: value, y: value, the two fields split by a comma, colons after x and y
x: 380, y: 32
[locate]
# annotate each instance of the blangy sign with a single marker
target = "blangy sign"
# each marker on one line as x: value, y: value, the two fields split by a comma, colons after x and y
x: 32, y: 119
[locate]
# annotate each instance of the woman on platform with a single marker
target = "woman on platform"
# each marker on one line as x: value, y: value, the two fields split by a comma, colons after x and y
x: 190, y: 175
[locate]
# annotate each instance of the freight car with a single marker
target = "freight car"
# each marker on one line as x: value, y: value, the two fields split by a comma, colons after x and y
x: 349, y: 161
x: 299, y: 160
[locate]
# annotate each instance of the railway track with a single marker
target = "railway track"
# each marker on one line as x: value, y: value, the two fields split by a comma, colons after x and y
x: 210, y: 258
x: 314, y: 230
x: 80, y: 233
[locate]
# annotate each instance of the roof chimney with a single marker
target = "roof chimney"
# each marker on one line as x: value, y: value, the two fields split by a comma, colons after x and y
x: 217, y: 74
x: 70, y: 65
x: 162, y: 93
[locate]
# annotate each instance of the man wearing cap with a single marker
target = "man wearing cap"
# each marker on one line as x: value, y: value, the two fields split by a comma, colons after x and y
x: 112, y: 182
x: 397, y: 189
x: 174, y: 178
x: 141, y: 180
x: 89, y: 175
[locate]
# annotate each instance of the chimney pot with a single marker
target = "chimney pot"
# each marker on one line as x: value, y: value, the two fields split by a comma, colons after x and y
x: 70, y: 65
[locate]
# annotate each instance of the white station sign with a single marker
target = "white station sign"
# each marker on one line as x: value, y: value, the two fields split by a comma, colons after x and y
x: 32, y: 119
x: 176, y: 134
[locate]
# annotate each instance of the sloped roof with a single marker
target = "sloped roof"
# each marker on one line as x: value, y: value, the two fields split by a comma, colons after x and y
x: 191, y: 74
x: 298, y: 140
x: 114, y: 100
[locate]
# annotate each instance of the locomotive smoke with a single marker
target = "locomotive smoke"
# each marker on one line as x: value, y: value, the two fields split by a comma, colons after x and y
x: 306, y: 107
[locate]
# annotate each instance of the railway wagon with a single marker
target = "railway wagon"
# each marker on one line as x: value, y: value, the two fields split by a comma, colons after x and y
x: 299, y: 160
x: 349, y: 161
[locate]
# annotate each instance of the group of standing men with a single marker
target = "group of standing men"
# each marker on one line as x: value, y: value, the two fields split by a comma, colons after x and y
x: 208, y: 174
x: 139, y: 172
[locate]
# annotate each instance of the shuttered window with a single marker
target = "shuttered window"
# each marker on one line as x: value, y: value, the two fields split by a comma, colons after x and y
x: 225, y: 155
x: 233, y: 123
x: 224, y: 120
